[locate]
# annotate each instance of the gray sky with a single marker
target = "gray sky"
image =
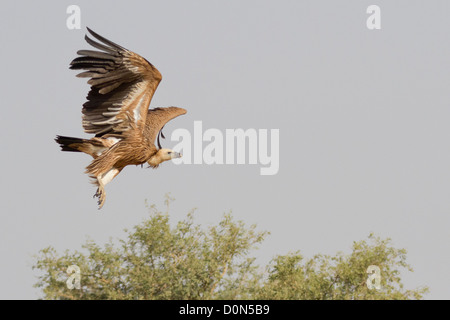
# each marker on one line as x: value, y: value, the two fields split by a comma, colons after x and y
x: 363, y: 119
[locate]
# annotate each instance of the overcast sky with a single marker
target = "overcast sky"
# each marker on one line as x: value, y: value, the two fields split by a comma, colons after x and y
x: 362, y: 116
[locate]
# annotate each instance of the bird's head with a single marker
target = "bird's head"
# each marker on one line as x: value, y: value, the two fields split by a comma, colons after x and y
x: 163, y: 155
x: 167, y: 154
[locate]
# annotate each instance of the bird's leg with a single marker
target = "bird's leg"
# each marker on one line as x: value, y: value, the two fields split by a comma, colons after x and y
x: 102, y: 180
x: 100, y: 194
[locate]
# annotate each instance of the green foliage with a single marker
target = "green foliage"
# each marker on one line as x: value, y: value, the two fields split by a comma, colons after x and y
x: 341, y: 277
x: 157, y: 261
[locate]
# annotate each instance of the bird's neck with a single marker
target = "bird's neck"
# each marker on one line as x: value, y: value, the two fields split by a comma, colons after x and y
x: 155, y: 160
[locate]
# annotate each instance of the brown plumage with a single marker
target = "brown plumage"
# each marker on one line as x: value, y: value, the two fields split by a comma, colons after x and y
x: 116, y: 111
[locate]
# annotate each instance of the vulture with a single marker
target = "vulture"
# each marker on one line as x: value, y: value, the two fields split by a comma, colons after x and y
x: 117, y: 113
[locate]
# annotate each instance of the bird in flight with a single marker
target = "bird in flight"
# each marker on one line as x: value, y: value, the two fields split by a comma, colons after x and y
x: 117, y: 113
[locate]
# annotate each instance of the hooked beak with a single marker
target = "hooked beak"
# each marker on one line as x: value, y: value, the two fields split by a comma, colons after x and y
x: 176, y: 155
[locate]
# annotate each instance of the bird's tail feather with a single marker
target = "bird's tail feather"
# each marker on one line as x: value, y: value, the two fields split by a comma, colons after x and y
x: 69, y: 143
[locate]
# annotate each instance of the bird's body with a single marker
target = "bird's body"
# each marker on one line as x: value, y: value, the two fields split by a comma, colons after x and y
x: 122, y: 86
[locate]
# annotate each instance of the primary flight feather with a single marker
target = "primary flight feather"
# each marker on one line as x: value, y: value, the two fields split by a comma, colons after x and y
x: 116, y: 111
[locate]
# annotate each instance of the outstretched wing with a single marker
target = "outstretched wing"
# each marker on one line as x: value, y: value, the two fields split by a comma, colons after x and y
x: 122, y: 86
x: 157, y: 118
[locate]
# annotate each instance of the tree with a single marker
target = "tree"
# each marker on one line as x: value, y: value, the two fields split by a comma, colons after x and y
x: 342, y: 277
x: 157, y: 261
